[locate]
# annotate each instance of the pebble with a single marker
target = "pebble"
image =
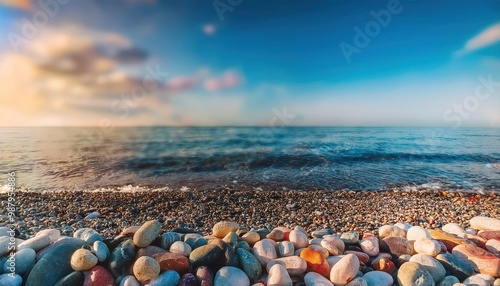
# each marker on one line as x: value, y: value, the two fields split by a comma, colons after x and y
x: 414, y: 274
x: 222, y: 228
x: 129, y: 280
x: 358, y: 281
x: 417, y: 232
x: 320, y: 249
x: 250, y: 264
x: 299, y: 239
x: 485, y: 223
x: 448, y: 281
x: 146, y: 268
x: 205, y: 276
x: 350, y: 237
x: 294, y: 265
x: 231, y: 276
x: 390, y: 230
x: 285, y: 248
x: 370, y: 245
x: 315, y: 279
x: 476, y: 281
x: 172, y: 261
x: 100, y: 250
x: 378, y: 278
x: 23, y: 260
x: 396, y: 245
x: 345, y: 270
x: 148, y: 232
x: 205, y: 255
x: 54, y: 234
x: 427, y: 246
x: 167, y: 239
x: 11, y: 280
x: 83, y: 259
x: 278, y: 276
x: 188, y: 280
x: 493, y: 246
x: 453, y: 228
x: 449, y: 240
x: 88, y: 235
x: 315, y: 262
x: 167, y: 278
x: 265, y: 251
x: 330, y: 246
x: 74, y: 278
x: 481, y: 260
x: 121, y: 257
x: 455, y: 266
x: 435, y: 268
x: 180, y: 248
x: 36, y: 243
x: 98, y: 276
x: 276, y: 235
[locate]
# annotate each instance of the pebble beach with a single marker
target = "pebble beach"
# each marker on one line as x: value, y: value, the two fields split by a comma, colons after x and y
x: 251, y: 237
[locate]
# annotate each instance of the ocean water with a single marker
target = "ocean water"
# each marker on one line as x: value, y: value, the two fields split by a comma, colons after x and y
x: 305, y: 158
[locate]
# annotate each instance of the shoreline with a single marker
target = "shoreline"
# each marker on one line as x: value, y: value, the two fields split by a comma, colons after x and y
x: 342, y: 211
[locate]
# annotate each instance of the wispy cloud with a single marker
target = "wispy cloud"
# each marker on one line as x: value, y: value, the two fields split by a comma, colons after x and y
x: 22, y: 4
x: 228, y: 80
x: 487, y: 37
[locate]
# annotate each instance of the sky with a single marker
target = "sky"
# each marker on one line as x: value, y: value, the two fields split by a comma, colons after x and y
x: 248, y: 63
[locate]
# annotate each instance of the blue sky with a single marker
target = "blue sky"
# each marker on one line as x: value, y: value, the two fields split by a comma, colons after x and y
x: 263, y: 56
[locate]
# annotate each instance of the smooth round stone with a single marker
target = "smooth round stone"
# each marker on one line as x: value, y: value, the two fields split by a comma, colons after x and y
x: 384, y: 264
x: 489, y: 234
x: 222, y: 228
x: 403, y: 226
x: 417, y: 232
x: 57, y: 260
x: 363, y: 257
x: 93, y: 215
x: 294, y: 265
x: 88, y: 235
x: 456, y: 266
x: 322, y: 232
x: 264, y: 251
x: 350, y: 237
x: 378, y: 278
x: 449, y: 240
x: 231, y: 276
x: 54, y: 234
x: 414, y: 274
x: 190, y: 238
x: 101, y: 250
x: 315, y: 279
x: 276, y: 235
x: 206, y: 255
x: 476, y: 281
x: 231, y: 239
x: 344, y: 270
x: 427, y: 246
x: 251, y: 237
x: 129, y: 280
x: 339, y: 244
x: 172, y: 261
x: 36, y: 243
x: 493, y: 246
x: 188, y: 280
x: 330, y: 246
x: 298, y: 238
x: 167, y: 278
x: 63, y: 240
x: 396, y: 245
x: 83, y: 259
x: 358, y: 281
x: 129, y: 231
x: 121, y: 258
x: 167, y: 239
x: 147, y: 233
x: 146, y: 268
x: 453, y: 228
x: 278, y: 276
x: 319, y: 249
x: 205, y: 276
x: 244, y: 245
x: 10, y: 280
x: 180, y: 247
x: 4, y: 245
x: 370, y: 246
x: 24, y: 260
x: 230, y: 256
x: 389, y: 231
x: 481, y: 260
x: 485, y: 223
x: 448, y: 281
x: 435, y: 268
x: 98, y: 276
x: 285, y: 248
x: 249, y: 263
x: 74, y: 278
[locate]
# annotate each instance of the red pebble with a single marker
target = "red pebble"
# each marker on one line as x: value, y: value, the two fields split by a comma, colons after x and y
x: 98, y: 276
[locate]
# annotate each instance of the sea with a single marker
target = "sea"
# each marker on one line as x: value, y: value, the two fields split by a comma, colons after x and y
x: 272, y: 158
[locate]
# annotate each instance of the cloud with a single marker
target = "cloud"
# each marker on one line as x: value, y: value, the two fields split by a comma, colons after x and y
x: 209, y: 29
x: 228, y: 80
x: 21, y: 4
x: 182, y: 83
x: 487, y: 37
